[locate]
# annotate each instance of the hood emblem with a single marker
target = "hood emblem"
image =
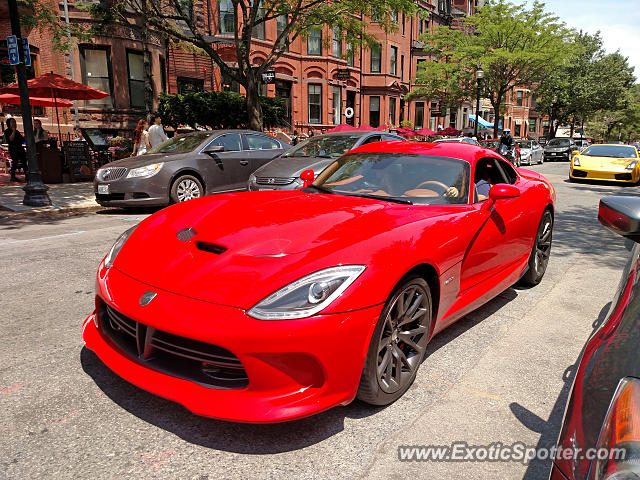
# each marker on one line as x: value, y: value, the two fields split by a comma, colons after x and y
x: 146, y: 298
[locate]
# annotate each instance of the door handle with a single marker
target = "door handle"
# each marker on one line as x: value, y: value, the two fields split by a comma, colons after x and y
x: 244, y: 162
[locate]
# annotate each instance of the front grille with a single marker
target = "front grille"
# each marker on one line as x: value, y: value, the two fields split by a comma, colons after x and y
x: 579, y: 173
x: 112, y: 173
x: 623, y: 176
x: 110, y: 197
x: 275, y: 180
x: 206, y: 364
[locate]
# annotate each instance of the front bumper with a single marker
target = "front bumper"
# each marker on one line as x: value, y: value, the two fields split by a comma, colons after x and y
x: 295, y: 368
x: 549, y: 156
x: 621, y: 176
x: 132, y: 192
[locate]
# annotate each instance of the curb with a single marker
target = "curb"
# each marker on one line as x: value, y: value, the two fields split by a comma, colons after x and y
x: 7, y: 215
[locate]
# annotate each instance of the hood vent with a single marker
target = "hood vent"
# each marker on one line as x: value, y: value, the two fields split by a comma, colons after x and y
x: 211, y: 247
x: 186, y: 234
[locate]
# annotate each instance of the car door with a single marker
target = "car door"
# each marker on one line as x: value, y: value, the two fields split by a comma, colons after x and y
x: 260, y: 149
x: 227, y: 168
x: 501, y: 237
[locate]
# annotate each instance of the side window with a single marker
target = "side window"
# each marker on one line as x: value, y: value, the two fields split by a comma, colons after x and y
x: 261, y: 142
x: 372, y: 139
x: 509, y: 171
x: 487, y: 174
x: 230, y: 141
x: 386, y: 138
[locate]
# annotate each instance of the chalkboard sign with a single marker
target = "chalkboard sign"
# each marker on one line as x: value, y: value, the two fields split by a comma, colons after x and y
x: 78, y: 158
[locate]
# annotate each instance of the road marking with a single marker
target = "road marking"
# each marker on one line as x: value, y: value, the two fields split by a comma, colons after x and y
x: 78, y: 232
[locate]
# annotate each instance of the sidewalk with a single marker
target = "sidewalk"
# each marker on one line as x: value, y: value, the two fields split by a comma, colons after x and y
x: 64, y: 197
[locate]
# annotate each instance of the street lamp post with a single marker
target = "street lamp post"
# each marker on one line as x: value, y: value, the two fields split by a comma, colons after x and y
x: 35, y: 192
x: 479, y: 77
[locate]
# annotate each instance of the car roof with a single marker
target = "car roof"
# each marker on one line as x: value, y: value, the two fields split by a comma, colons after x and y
x: 463, y: 151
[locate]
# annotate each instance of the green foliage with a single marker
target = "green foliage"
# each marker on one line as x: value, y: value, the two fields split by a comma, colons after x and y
x: 42, y: 15
x: 215, y: 110
x: 608, y: 123
x: 406, y: 123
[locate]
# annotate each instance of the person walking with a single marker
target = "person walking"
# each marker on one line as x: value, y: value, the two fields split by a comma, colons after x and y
x: 295, y: 139
x: 39, y: 133
x: 156, y: 132
x: 141, y: 139
x: 16, y: 150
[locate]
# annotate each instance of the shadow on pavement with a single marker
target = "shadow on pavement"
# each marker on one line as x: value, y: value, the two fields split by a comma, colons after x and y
x: 550, y: 429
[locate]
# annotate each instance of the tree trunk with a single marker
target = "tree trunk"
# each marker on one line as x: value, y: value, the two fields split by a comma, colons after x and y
x: 573, y: 122
x: 254, y: 109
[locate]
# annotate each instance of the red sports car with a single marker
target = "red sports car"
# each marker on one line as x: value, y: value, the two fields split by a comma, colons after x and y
x: 274, y: 305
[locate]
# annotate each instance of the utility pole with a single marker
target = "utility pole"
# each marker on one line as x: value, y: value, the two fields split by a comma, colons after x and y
x: 35, y: 192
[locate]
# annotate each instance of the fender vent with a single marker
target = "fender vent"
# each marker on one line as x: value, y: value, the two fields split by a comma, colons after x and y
x: 211, y: 247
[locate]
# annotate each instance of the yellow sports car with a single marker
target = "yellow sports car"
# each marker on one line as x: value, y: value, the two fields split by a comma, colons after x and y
x: 617, y: 163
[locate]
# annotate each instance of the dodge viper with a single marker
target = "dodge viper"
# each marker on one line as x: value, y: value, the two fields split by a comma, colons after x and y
x: 617, y: 163
x: 274, y: 305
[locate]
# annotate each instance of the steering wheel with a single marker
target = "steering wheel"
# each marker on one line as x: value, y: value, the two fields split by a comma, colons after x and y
x: 436, y: 183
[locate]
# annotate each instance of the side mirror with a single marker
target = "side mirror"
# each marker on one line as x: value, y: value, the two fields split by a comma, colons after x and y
x: 621, y: 215
x: 501, y: 191
x: 212, y: 150
x: 307, y: 177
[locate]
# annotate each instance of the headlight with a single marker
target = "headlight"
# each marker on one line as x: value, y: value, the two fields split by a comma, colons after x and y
x: 113, y: 253
x: 147, y: 171
x: 307, y: 296
x: 252, y: 178
x: 632, y: 165
x: 576, y: 161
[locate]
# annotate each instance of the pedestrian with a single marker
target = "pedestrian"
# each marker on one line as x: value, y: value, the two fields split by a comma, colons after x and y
x: 311, y: 132
x: 156, y: 132
x: 16, y: 150
x: 294, y: 139
x: 39, y: 133
x: 141, y: 139
x: 323, y: 131
x: 78, y: 135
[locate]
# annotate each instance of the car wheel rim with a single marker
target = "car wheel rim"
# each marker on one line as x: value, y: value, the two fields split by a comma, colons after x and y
x: 187, y: 189
x: 543, y: 244
x: 403, y: 338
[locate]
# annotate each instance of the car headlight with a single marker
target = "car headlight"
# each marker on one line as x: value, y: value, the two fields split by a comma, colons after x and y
x: 576, y: 161
x: 146, y: 171
x: 632, y: 165
x: 308, y: 295
x: 113, y: 253
x: 252, y: 178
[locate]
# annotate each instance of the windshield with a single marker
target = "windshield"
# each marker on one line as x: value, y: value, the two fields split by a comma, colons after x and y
x: 524, y: 144
x: 181, y: 143
x: 421, y: 179
x: 490, y: 143
x: 559, y: 142
x: 615, y: 151
x: 325, y: 146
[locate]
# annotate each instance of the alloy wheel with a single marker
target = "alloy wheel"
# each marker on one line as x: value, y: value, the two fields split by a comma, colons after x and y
x: 543, y: 244
x: 187, y: 190
x: 403, y: 338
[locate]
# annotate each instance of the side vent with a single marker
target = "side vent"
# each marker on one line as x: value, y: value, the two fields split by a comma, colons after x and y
x: 186, y: 234
x: 211, y: 247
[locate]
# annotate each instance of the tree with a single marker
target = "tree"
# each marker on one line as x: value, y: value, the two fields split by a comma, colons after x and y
x: 623, y: 121
x: 514, y: 45
x: 180, y: 23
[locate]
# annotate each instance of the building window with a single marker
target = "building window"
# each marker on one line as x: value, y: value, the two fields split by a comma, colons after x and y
x: 226, y: 16
x: 96, y: 73
x: 402, y: 68
x: 135, y: 67
x: 337, y: 43
x: 376, y: 57
x: 393, y: 61
x: 190, y: 85
x: 532, y: 125
x: 314, y: 42
x: 281, y: 24
x: 229, y: 85
x: 418, y: 122
x: 337, y: 105
x: 350, y: 54
x: 163, y: 75
x: 392, y: 111
x: 453, y: 118
x: 315, y: 103
x: 374, y: 111
x: 394, y: 16
x: 258, y: 30
x: 519, y: 100
x: 404, y: 20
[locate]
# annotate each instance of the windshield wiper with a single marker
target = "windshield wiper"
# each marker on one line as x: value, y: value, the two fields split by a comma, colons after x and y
x: 380, y: 197
x: 319, y: 188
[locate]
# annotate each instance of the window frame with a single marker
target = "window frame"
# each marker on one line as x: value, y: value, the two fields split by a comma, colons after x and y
x: 319, y: 38
x: 220, y: 13
x: 378, y: 52
x: 336, y: 41
x: 319, y: 119
x: 266, y: 138
x: 129, y: 80
x: 241, y: 143
x: 83, y: 72
x: 379, y: 100
x: 393, y: 60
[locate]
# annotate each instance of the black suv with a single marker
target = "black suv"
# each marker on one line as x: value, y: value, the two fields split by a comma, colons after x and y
x: 559, y: 149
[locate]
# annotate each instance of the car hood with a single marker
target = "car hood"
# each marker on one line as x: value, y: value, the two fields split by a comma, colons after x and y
x: 265, y: 240
x: 293, y: 166
x: 605, y: 163
x: 142, y: 160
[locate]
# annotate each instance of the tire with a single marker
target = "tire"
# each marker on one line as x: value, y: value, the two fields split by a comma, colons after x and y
x: 185, y: 188
x: 401, y: 351
x: 539, y: 258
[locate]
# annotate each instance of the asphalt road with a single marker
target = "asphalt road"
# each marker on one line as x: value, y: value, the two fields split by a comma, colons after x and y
x: 502, y: 374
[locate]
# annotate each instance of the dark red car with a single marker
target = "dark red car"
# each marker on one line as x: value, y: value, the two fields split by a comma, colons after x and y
x: 274, y: 305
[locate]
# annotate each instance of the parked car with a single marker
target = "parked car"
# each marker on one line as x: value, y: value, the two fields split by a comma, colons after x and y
x: 469, y: 140
x: 614, y: 163
x: 494, y: 144
x: 315, y: 153
x: 272, y: 306
x: 530, y: 152
x: 559, y: 149
x: 185, y: 167
x: 603, y: 408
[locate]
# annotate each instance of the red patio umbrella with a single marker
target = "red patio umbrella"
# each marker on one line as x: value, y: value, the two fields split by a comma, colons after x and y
x: 52, y: 85
x: 368, y: 128
x: 449, y: 131
x: 425, y: 132
x: 11, y: 99
x: 343, y: 127
x: 406, y: 132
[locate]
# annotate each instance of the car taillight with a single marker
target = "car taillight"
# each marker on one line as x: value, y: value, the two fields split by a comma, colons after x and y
x: 617, y: 454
